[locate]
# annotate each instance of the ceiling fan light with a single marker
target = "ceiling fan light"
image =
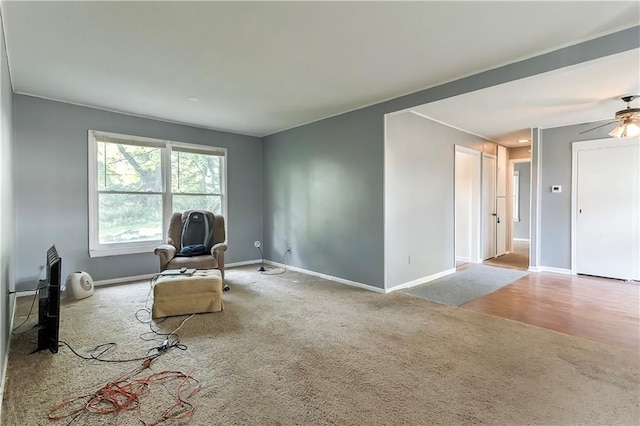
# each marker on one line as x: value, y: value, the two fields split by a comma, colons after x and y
x: 628, y: 129
x: 632, y: 130
x: 618, y: 131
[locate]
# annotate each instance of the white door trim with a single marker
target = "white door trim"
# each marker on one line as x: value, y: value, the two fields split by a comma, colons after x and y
x: 583, y: 146
x: 461, y: 148
x: 478, y: 231
x: 510, y: 191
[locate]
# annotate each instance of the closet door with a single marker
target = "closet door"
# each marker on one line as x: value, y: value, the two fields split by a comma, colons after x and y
x: 607, y: 209
x: 489, y: 213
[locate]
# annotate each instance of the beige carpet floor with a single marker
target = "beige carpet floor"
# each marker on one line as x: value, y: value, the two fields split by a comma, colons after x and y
x: 293, y: 349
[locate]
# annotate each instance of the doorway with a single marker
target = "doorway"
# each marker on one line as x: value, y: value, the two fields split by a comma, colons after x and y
x: 479, y: 211
x: 519, y: 217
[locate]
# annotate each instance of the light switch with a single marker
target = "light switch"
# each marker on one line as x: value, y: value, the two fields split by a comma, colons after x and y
x: 556, y: 188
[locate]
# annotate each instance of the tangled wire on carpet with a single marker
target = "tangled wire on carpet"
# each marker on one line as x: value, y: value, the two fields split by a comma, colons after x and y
x: 125, y: 392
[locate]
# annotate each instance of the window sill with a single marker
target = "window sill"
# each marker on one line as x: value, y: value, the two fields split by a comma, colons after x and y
x: 104, y: 252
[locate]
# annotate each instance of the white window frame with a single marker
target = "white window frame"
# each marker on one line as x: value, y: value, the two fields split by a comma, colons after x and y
x: 99, y: 250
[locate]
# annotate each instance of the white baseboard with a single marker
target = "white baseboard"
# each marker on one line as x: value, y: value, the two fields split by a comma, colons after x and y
x: 467, y: 260
x: 124, y: 279
x: 3, y: 378
x: 326, y: 277
x: 13, y: 310
x: 524, y: 240
x: 229, y: 265
x: 99, y: 283
x: 562, y: 271
x: 149, y: 276
x: 25, y: 293
x: 422, y: 280
x: 144, y: 277
x: 4, y: 371
x: 246, y: 262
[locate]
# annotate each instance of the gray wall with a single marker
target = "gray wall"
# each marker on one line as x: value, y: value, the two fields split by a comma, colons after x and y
x: 324, y: 181
x: 7, y: 255
x: 419, y: 195
x: 323, y: 197
x: 521, y: 229
x: 555, y: 208
x: 50, y: 153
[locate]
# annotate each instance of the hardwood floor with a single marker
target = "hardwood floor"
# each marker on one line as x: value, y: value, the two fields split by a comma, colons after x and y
x: 602, y: 310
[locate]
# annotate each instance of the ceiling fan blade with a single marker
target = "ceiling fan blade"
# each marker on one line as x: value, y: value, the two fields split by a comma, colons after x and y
x: 597, y: 127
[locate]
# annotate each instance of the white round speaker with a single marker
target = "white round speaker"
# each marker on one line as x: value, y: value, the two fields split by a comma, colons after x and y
x: 80, y: 284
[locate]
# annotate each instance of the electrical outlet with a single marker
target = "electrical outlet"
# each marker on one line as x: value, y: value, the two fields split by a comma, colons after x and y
x: 257, y: 244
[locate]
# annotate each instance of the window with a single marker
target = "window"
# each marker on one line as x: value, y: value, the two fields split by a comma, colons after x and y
x: 196, y: 180
x: 136, y: 183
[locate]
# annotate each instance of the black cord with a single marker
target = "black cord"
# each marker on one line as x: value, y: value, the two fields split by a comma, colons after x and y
x: 156, y: 351
x: 261, y: 268
x: 103, y: 348
x: 284, y: 269
x: 73, y: 419
x: 33, y: 302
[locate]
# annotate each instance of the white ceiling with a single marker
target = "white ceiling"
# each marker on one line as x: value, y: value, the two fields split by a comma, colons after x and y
x: 261, y: 67
x: 579, y: 94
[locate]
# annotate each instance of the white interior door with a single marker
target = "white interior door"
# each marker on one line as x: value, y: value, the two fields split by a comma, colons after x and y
x: 607, y: 210
x: 501, y: 226
x: 488, y: 206
x: 501, y: 201
x: 467, y: 205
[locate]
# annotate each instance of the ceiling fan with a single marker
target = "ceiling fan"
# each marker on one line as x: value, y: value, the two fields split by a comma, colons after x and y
x: 629, y: 118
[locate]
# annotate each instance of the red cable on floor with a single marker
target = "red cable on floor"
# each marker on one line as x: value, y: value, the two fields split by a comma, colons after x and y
x: 124, y: 393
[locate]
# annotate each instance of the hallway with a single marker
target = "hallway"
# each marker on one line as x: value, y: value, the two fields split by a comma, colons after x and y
x: 518, y: 259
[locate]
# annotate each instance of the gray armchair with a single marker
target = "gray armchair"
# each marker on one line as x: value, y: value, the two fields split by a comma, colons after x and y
x: 213, y: 260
